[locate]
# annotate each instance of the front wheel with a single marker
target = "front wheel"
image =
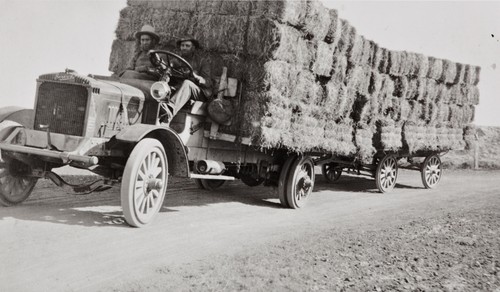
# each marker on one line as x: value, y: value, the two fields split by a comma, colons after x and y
x: 144, y: 182
x: 15, y: 183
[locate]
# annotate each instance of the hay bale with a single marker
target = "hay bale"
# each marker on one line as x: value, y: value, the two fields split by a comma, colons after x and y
x: 334, y: 29
x: 470, y: 137
x: 416, y: 111
x: 472, y: 95
x: 221, y: 33
x: 430, y: 90
x: 471, y: 75
x: 435, y: 68
x: 395, y: 63
x: 384, y: 64
x: 405, y: 109
x: 131, y: 20
x: 363, y: 137
x: 358, y: 77
x: 401, y: 86
x: 339, y: 138
x: 414, y: 137
x: 468, y: 114
x: 443, y: 112
x: 460, y: 77
x: 368, y: 53
x: 222, y: 7
x: 376, y: 57
x: 449, y: 72
x: 355, y: 53
x: 339, y: 68
x: 271, y: 40
x: 430, y: 113
x: 173, y: 5
x: 443, y: 94
x: 306, y: 133
x: 323, y: 60
x: 121, y: 51
x: 291, y: 12
x: 456, y: 116
x: 317, y: 20
x: 388, y: 136
x: 347, y: 37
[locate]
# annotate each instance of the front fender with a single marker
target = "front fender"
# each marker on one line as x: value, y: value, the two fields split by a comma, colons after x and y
x: 19, y: 115
x: 174, y: 147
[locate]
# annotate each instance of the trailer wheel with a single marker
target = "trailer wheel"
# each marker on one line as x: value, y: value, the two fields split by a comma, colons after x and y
x: 387, y: 173
x: 431, y: 171
x: 15, y: 184
x: 211, y: 184
x: 144, y: 182
x: 300, y: 182
x: 330, y: 173
x: 283, y: 180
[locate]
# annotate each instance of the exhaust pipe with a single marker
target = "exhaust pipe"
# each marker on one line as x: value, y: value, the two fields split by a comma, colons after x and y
x: 210, y: 167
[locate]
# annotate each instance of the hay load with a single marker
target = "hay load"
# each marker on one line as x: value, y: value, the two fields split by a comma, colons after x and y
x: 311, y: 81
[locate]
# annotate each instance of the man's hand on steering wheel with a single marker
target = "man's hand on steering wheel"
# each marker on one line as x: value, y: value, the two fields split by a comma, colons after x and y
x: 183, y: 71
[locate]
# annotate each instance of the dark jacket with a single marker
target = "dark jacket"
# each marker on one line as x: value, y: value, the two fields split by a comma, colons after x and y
x: 201, y: 66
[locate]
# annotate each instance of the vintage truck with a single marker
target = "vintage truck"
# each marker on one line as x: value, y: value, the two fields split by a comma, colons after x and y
x: 111, y: 127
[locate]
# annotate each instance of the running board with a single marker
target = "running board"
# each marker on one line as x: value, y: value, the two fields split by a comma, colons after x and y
x: 211, y: 176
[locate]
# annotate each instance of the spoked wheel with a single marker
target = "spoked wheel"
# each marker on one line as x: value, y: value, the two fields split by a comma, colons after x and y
x: 300, y: 182
x: 387, y: 173
x: 144, y: 182
x: 283, y: 179
x: 211, y: 184
x: 15, y: 183
x: 330, y: 172
x: 431, y: 171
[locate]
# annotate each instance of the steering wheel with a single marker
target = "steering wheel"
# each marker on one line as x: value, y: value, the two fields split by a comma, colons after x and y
x: 184, y: 70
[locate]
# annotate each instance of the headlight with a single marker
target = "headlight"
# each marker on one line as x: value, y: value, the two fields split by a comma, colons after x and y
x: 160, y: 91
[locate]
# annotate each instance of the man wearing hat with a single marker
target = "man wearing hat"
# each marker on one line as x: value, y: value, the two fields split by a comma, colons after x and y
x: 198, y: 86
x: 140, y: 66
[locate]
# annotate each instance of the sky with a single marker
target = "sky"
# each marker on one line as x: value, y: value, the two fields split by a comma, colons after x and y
x: 43, y: 36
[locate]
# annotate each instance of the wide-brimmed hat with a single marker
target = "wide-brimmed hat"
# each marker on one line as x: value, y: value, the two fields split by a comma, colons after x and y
x: 149, y: 30
x: 190, y: 39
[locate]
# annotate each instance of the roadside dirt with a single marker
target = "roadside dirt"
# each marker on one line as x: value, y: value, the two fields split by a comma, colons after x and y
x: 349, y: 237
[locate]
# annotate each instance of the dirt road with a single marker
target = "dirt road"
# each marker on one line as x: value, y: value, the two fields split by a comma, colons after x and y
x: 60, y: 242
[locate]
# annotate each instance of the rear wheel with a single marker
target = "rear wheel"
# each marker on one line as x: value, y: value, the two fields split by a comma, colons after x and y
x: 431, y: 171
x: 387, y: 173
x: 300, y: 182
x: 330, y: 172
x: 16, y: 184
x: 283, y: 179
x: 144, y: 182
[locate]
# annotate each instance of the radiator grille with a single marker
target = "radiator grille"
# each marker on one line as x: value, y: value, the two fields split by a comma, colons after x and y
x: 62, y: 106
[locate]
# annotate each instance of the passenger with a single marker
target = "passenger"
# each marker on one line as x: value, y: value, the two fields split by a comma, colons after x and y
x: 140, y: 66
x: 198, y: 87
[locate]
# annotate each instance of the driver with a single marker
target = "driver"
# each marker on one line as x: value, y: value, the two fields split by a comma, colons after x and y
x: 196, y: 87
x: 140, y: 66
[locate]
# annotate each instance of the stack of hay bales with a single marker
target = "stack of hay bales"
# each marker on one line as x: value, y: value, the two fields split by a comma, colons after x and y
x: 311, y: 82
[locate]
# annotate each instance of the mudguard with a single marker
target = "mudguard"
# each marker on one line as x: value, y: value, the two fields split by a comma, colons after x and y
x: 19, y: 115
x: 174, y: 147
